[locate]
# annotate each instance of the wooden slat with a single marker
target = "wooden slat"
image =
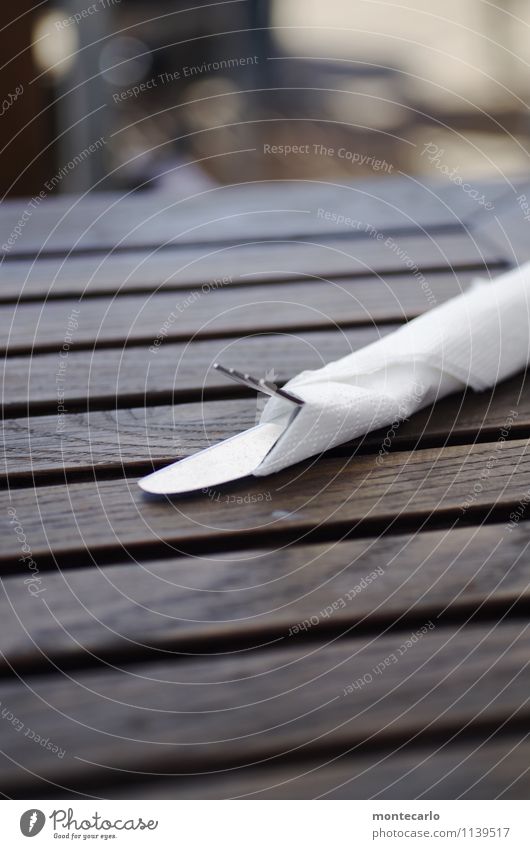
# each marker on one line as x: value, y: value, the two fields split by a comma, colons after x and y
x: 114, y: 439
x: 228, y: 311
x: 282, y: 209
x: 337, y: 493
x: 181, y: 268
x: 124, y: 439
x: 201, y: 714
x: 196, y: 604
x: 173, y: 372
x: 475, y: 769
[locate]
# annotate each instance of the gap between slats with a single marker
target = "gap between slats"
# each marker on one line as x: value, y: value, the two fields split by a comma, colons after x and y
x: 332, y: 766
x: 136, y: 321
x: 108, y: 445
x: 280, y: 261
x: 104, y: 555
x: 189, y: 647
x: 246, y: 282
x: 410, y: 490
x: 451, y: 680
x: 176, y: 243
x: 483, y: 762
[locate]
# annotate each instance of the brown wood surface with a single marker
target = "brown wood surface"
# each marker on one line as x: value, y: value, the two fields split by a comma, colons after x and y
x: 250, y: 707
x: 227, y: 311
x: 109, y: 379
x: 156, y: 608
x: 161, y: 643
x: 488, y: 764
x: 339, y: 494
x: 93, y: 275
x: 99, y: 274
x: 475, y: 769
x: 117, y: 441
x: 281, y: 209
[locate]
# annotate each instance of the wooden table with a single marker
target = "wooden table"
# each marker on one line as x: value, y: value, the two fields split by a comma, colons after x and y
x: 354, y: 627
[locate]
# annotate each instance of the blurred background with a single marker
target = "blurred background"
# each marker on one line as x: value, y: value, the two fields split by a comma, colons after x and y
x: 113, y: 94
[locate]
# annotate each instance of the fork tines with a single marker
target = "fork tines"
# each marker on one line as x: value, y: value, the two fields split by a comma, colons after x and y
x: 258, y: 384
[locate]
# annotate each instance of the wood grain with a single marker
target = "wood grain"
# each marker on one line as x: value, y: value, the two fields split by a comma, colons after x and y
x: 113, y: 378
x: 174, y: 625
x: 122, y: 440
x: 243, y: 265
x: 335, y: 494
x: 227, y: 311
x: 244, y: 708
x: 155, y: 608
x: 282, y: 209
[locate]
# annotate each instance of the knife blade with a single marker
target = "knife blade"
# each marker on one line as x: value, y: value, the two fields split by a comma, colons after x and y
x: 231, y: 459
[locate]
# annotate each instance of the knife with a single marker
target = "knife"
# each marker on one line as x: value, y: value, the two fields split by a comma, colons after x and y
x: 231, y: 459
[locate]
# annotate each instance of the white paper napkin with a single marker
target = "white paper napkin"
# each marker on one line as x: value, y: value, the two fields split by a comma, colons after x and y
x: 475, y: 339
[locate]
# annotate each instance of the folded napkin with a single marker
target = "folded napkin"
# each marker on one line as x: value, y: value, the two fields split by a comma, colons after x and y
x: 475, y: 339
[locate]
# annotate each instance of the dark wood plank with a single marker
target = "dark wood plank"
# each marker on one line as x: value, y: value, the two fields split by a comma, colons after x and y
x: 115, y: 439
x: 336, y: 493
x: 125, y: 439
x: 244, y: 264
x: 242, y: 708
x: 226, y: 311
x: 280, y: 209
x: 476, y: 769
x: 138, y: 376
x: 155, y: 608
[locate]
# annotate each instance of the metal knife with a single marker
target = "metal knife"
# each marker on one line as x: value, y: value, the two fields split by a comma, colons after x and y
x: 229, y: 460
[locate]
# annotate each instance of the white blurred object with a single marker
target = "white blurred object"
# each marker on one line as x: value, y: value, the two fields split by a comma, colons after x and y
x: 54, y: 45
